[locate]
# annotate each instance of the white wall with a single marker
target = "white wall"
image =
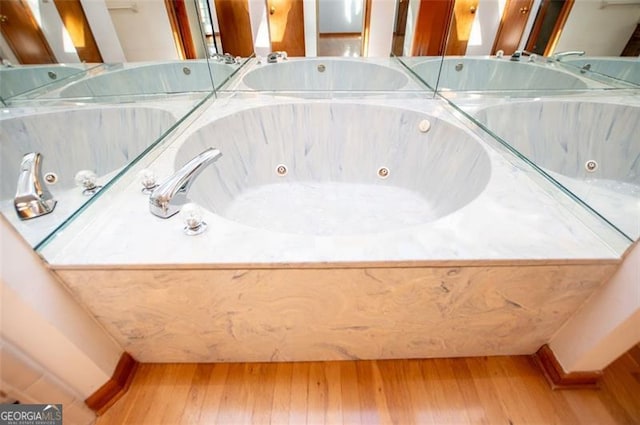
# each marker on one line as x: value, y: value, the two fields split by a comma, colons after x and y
x: 485, y: 26
x: 341, y: 15
x: 599, y: 32
x: 607, y: 325
x: 412, y: 17
x: 381, y: 28
x: 310, y: 28
x: 25, y: 380
x: 103, y: 30
x: 259, y: 27
x: 40, y: 317
x: 46, y: 14
x: 144, y: 35
x: 6, y: 52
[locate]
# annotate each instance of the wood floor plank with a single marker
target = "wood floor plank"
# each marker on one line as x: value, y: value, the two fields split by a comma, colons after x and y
x: 350, y: 395
x: 299, y: 393
x: 490, y: 390
x: 480, y: 376
x: 194, y: 405
x: 281, y: 400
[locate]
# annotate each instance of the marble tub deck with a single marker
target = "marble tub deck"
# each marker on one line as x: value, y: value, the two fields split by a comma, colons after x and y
x: 498, y: 276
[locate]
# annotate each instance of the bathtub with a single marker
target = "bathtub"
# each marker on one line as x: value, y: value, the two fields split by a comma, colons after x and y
x: 626, y: 69
x: 494, y: 74
x: 562, y: 137
x: 152, y: 78
x: 312, y: 252
x: 326, y: 74
x: 23, y: 78
x: 102, y: 140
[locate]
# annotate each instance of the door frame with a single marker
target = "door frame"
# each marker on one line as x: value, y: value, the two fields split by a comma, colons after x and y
x: 181, y: 29
x: 557, y: 28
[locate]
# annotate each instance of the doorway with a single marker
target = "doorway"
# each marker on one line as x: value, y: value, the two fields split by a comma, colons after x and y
x: 286, y: 26
x: 341, y: 27
x: 23, y: 34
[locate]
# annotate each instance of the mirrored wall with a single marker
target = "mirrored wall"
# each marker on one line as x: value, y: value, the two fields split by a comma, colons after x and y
x: 521, y: 45
x: 557, y: 83
x: 87, y: 89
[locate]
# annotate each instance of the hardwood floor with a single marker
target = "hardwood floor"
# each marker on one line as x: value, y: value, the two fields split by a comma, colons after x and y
x: 483, y: 390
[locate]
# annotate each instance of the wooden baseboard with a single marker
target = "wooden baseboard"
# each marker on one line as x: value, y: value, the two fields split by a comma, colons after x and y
x: 114, y: 388
x: 558, y: 378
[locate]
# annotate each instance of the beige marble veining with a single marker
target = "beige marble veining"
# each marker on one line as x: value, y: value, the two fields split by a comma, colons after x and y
x: 298, y: 314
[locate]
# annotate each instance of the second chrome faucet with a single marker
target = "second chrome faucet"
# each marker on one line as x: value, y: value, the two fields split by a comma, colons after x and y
x: 170, y: 195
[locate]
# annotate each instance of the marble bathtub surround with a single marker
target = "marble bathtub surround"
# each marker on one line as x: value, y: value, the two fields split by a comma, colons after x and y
x: 496, y: 267
x: 498, y: 198
x: 202, y: 314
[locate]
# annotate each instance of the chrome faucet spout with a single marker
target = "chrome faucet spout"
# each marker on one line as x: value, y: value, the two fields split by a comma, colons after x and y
x: 560, y: 55
x: 169, y: 197
x: 32, y: 199
x: 273, y: 56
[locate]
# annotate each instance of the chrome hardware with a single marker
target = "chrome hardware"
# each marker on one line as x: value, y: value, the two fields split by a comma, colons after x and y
x: 273, y: 56
x: 459, y: 67
x: 591, y: 166
x: 383, y: 172
x: 560, y: 55
x: 186, y: 70
x: 32, y: 197
x: 193, y: 222
x: 169, y: 197
x: 281, y: 170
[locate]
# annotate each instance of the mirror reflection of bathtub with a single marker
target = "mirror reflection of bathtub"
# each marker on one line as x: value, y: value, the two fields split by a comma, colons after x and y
x: 592, y: 148
x: 132, y: 79
x: 625, y: 69
x: 491, y: 74
x: 102, y: 140
x: 19, y: 79
x: 325, y: 74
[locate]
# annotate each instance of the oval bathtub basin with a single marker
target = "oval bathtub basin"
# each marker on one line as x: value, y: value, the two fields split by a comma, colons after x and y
x: 324, y: 74
x: 324, y: 169
x: 593, y: 149
x: 626, y: 69
x: 494, y: 74
x: 102, y: 140
x: 171, y: 77
x: 23, y: 78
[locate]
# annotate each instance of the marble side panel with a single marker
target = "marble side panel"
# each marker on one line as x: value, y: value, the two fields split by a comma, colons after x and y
x: 231, y: 315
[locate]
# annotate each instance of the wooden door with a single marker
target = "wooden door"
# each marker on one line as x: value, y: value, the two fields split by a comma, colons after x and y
x: 75, y: 22
x: 179, y: 20
x: 548, y: 26
x: 400, y: 27
x: 23, y: 34
x: 430, y: 33
x: 286, y: 26
x: 514, y: 19
x: 235, y: 27
x: 464, y: 13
